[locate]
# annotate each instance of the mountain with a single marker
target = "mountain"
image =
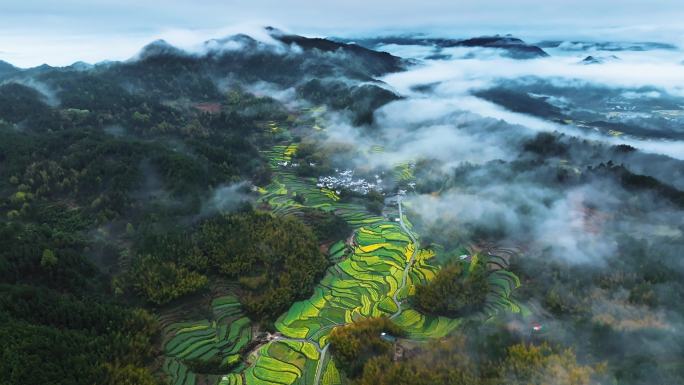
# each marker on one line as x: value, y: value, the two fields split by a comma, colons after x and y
x: 163, y: 72
x: 515, y: 47
x: 244, y: 54
x: 287, y: 60
x: 81, y: 66
x: 576, y: 45
x: 159, y: 48
x: 521, y: 102
x: 512, y: 46
x: 599, y: 59
x: 19, y: 102
x: 377, y: 62
x: 7, y: 69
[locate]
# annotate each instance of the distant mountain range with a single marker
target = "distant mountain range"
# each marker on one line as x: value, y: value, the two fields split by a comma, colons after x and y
x: 250, y: 55
x: 605, y: 45
x: 323, y: 71
x: 511, y: 46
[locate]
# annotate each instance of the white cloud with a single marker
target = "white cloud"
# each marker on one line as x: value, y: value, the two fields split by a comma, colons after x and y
x: 33, y: 32
x: 453, y: 80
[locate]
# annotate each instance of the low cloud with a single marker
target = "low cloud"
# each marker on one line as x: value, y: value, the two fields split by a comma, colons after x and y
x: 49, y: 95
x: 227, y: 198
x: 451, y: 83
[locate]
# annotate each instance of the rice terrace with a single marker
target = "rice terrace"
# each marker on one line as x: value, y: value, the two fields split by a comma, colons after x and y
x: 375, y: 193
x: 374, y: 274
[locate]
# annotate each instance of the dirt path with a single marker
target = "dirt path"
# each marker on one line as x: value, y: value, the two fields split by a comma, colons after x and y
x: 319, y: 365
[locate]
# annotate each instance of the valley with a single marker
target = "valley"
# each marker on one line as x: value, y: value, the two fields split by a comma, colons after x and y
x: 267, y: 208
x: 374, y: 275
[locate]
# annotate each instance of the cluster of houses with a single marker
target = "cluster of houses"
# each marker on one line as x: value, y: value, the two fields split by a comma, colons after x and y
x: 344, y: 180
x: 286, y: 163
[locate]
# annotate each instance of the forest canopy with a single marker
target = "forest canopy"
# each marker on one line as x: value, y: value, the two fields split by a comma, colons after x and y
x: 456, y: 290
x: 276, y: 260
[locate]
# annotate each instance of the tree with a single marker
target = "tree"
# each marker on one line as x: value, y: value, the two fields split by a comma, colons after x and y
x: 527, y: 364
x: 455, y: 290
x: 129, y: 375
x: 326, y: 225
x: 374, y: 207
x: 130, y: 230
x: 456, y: 361
x: 250, y: 244
x: 49, y: 259
x: 382, y: 371
x: 354, y: 344
x: 162, y: 281
x: 441, y: 363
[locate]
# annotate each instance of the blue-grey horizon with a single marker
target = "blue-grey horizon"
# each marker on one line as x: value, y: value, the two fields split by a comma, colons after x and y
x: 33, y: 32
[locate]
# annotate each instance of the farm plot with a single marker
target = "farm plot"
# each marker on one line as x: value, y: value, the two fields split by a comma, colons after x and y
x: 353, y: 288
x: 373, y: 278
x: 501, y: 283
x: 337, y: 251
x: 280, y: 195
x: 364, y: 283
x: 331, y: 375
x: 217, y: 341
x: 281, y: 155
x: 283, y: 363
x: 231, y: 379
x: 404, y: 172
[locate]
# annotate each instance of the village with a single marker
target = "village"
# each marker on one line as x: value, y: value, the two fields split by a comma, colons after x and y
x: 344, y: 180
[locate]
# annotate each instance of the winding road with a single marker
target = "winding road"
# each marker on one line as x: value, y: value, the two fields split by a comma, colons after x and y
x: 410, y: 261
x: 319, y: 365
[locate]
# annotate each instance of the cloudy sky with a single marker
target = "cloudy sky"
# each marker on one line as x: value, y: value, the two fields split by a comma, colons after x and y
x: 33, y: 32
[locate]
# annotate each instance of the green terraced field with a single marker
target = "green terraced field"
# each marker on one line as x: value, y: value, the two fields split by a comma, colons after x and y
x: 366, y: 281
x: 360, y: 286
x: 331, y: 375
x: 283, y: 362
x: 219, y: 340
x: 403, y: 172
x: 337, y: 251
x: 231, y: 379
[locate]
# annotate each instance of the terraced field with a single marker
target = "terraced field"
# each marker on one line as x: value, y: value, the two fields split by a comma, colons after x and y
x: 217, y: 341
x: 284, y: 362
x: 373, y: 276
x: 362, y: 285
x: 373, y: 280
x: 403, y: 172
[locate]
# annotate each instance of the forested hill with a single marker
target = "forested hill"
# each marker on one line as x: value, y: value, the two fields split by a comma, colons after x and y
x: 114, y: 176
